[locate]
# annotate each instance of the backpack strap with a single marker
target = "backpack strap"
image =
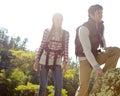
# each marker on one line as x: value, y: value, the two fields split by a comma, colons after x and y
x: 56, y: 52
x: 63, y: 47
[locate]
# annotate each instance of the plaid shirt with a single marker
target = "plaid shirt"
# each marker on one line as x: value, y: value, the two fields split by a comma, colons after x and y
x: 54, y: 46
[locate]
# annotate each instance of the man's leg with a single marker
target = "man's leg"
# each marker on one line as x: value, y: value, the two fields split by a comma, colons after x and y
x: 43, y: 80
x: 109, y: 58
x: 58, y: 80
x: 85, y: 72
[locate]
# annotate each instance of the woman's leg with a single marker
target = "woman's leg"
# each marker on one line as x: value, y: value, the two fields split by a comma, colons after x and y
x: 58, y: 80
x: 43, y: 80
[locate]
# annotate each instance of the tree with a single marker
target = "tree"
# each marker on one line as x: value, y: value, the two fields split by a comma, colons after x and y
x: 3, y: 37
x: 19, y: 70
x: 8, y: 42
x: 5, y: 59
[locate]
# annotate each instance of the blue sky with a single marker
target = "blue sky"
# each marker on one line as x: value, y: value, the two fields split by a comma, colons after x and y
x: 29, y: 18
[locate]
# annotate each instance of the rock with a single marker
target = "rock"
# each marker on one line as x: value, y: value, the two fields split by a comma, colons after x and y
x: 107, y: 84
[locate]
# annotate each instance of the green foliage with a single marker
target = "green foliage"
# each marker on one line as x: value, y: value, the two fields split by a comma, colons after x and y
x: 71, y: 78
x: 69, y: 74
x: 12, y: 79
x: 20, y: 71
x: 108, y: 84
x: 5, y: 59
x: 27, y: 90
x: 33, y: 88
x: 17, y: 76
x: 24, y: 60
x: 23, y: 55
x: 51, y: 91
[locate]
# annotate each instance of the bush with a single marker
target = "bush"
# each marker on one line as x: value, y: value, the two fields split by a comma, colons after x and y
x: 32, y: 89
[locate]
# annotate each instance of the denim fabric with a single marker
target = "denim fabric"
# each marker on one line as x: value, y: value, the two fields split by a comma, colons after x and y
x: 57, y: 76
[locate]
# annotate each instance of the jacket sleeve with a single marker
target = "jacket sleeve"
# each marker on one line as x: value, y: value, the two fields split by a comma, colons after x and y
x: 85, y: 41
x: 65, y: 60
x: 43, y: 42
x: 104, y: 42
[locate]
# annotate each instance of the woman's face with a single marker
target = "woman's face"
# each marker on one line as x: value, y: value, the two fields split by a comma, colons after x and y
x: 57, y: 20
x: 97, y: 16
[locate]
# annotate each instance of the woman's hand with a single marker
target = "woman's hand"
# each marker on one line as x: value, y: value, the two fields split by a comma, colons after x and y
x: 64, y: 68
x: 35, y: 65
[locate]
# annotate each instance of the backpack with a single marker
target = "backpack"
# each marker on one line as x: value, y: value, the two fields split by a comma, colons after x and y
x: 48, y: 50
x: 77, y: 43
x: 62, y: 42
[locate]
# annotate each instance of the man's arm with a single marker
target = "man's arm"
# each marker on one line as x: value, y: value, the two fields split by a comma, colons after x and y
x: 85, y: 41
x: 104, y: 42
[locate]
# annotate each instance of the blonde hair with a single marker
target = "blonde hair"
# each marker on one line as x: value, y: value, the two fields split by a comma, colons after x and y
x: 56, y: 16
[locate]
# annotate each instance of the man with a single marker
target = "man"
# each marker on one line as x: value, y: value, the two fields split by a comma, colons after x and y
x: 91, y: 36
x: 53, y: 49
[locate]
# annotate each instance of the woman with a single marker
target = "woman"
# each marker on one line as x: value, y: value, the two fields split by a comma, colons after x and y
x: 52, y: 53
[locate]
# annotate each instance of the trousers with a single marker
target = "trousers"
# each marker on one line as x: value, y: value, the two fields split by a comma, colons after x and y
x: 109, y: 58
x: 57, y: 76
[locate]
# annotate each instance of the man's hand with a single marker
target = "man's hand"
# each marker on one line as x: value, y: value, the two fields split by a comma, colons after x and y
x: 35, y: 66
x: 98, y: 72
x: 107, y: 48
x: 64, y: 68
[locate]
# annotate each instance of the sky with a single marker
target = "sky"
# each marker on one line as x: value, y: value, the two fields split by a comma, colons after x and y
x: 29, y: 19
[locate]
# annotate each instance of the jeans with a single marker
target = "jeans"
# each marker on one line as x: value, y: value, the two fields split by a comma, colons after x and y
x: 57, y: 76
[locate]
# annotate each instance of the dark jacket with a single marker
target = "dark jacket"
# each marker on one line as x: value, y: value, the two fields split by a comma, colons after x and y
x: 95, y: 36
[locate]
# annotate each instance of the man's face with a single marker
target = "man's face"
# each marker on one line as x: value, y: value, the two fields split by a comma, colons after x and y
x: 97, y: 16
